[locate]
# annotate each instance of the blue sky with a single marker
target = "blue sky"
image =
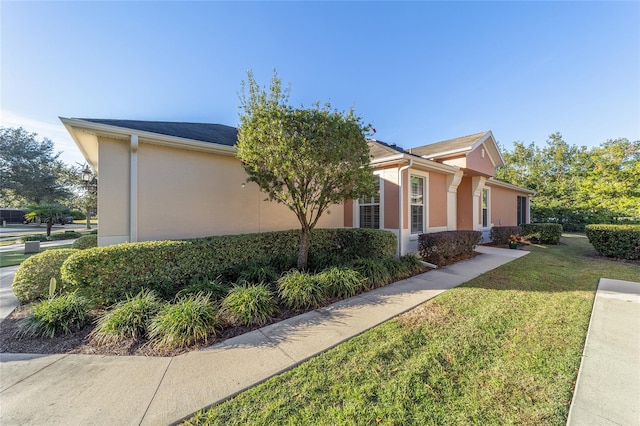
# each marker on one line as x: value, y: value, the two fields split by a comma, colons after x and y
x: 420, y: 72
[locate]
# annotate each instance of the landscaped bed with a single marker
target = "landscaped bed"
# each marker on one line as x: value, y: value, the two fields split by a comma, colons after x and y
x: 150, y: 298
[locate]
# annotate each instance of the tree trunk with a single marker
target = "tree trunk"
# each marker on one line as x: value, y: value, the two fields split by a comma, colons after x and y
x: 49, y: 225
x: 88, y: 215
x: 303, y: 252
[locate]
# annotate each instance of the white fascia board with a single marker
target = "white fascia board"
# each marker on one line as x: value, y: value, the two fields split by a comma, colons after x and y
x: 417, y: 161
x: 66, y: 123
x: 446, y: 153
x: 150, y: 137
x: 494, y: 182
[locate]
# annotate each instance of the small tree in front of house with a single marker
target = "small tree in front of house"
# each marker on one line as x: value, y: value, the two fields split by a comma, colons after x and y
x: 304, y: 158
x: 47, y: 213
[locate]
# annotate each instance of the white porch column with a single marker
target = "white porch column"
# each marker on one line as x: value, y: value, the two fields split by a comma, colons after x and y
x: 133, y: 191
x: 477, y: 185
x: 453, y: 182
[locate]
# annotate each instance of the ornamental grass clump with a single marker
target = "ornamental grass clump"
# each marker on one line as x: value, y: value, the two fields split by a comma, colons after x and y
x: 256, y: 272
x: 128, y: 319
x: 397, y: 270
x: 340, y: 282
x: 189, y: 320
x: 215, y: 288
x: 412, y: 263
x: 59, y: 314
x: 299, y: 290
x: 375, y: 272
x: 249, y: 304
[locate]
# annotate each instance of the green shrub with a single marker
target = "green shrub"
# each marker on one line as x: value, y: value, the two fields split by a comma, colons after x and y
x: 299, y: 290
x: 501, y: 234
x: 444, y: 248
x: 32, y: 278
x: 258, y: 272
x: 106, y: 274
x: 85, y: 242
x: 66, y: 235
x: 60, y: 314
x: 339, y: 282
x: 619, y: 241
x: 216, y: 289
x: 128, y: 319
x: 412, y: 263
x: 374, y: 271
x: 248, y: 304
x: 189, y: 320
x: 545, y: 233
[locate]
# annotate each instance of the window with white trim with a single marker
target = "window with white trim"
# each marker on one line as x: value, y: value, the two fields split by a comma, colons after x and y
x: 417, y: 204
x: 369, y: 208
x: 485, y: 208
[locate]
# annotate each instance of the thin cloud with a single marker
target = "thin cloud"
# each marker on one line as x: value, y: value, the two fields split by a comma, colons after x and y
x: 56, y: 132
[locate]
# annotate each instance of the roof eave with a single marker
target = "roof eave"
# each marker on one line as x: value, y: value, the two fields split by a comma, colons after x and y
x: 149, y: 137
x: 495, y: 182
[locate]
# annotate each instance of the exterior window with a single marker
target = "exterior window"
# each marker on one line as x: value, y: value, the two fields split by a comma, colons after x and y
x: 370, y: 208
x: 485, y: 208
x: 417, y: 204
x: 522, y: 210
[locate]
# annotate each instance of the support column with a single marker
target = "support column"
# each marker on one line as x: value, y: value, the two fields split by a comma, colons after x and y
x: 477, y: 185
x: 453, y: 182
x: 133, y: 191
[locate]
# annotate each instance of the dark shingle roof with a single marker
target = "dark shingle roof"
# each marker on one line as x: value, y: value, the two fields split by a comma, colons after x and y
x: 205, y: 132
x: 464, y: 142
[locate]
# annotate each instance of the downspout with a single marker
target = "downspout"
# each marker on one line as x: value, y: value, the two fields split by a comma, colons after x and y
x: 401, y: 204
x: 133, y: 191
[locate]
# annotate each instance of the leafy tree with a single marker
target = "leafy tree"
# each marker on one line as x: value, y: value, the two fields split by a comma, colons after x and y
x: 611, y: 185
x: 47, y: 213
x: 304, y: 158
x: 576, y: 186
x: 30, y: 171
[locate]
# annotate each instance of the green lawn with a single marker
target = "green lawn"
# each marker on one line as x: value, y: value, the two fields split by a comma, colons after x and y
x: 11, y: 258
x: 502, y: 349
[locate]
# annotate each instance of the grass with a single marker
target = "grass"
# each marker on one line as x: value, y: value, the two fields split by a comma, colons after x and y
x: 502, y: 349
x: 12, y: 258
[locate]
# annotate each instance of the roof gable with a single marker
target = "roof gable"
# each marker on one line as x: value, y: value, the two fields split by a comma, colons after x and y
x: 204, y: 132
x: 462, y: 146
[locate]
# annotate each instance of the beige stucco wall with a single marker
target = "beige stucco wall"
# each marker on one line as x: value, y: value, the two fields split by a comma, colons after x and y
x: 465, y: 205
x: 186, y: 194
x: 113, y: 187
x: 437, y: 200
x: 504, y: 206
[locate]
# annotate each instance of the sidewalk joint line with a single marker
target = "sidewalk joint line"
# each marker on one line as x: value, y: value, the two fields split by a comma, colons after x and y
x: 35, y: 372
x: 155, y: 392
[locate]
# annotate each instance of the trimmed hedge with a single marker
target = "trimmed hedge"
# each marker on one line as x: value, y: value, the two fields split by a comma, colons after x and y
x: 620, y: 241
x: 501, y: 234
x: 66, y: 235
x: 107, y: 274
x: 85, y: 242
x: 443, y: 248
x: 546, y: 233
x: 32, y: 278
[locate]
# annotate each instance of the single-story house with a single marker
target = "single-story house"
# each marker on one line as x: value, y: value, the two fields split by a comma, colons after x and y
x: 168, y: 180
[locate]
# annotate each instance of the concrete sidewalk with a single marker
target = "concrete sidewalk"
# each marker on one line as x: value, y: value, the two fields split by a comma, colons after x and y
x: 608, y: 386
x: 110, y: 390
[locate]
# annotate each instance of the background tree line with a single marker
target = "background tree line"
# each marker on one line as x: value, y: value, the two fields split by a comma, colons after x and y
x: 575, y: 185
x: 32, y: 177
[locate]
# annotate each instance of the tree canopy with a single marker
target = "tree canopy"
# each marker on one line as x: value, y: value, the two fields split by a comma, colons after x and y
x: 304, y: 158
x: 30, y: 171
x: 575, y: 185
